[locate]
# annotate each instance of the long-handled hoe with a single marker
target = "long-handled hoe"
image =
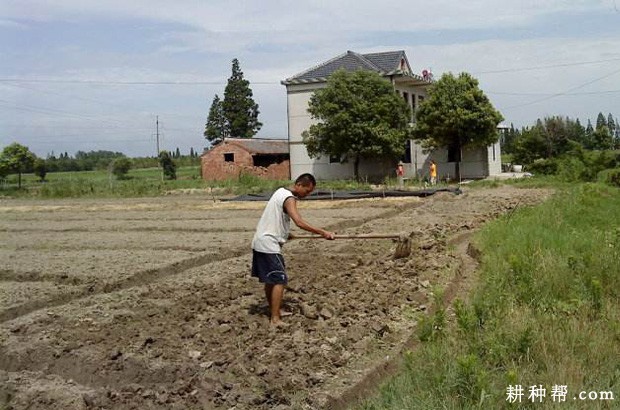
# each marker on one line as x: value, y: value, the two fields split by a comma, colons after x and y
x: 403, y: 247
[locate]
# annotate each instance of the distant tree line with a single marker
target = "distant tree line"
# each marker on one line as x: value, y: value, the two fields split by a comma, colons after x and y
x: 564, y: 147
x: 82, y: 161
x: 17, y: 159
x: 555, y: 136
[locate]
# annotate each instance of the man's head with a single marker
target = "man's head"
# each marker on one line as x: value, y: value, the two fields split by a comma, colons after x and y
x: 304, y: 185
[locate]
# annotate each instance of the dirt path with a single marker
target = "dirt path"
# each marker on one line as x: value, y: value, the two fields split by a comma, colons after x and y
x: 148, y: 303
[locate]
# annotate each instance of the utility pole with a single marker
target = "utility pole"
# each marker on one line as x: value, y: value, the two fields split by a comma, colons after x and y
x: 157, y: 133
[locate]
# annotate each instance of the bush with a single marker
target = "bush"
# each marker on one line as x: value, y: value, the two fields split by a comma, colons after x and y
x: 40, y: 169
x: 120, y: 167
x: 543, y: 166
x: 610, y: 176
x: 571, y: 170
x: 168, y: 165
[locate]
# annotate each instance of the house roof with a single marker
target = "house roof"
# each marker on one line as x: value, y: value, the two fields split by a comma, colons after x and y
x: 260, y: 145
x: 386, y: 63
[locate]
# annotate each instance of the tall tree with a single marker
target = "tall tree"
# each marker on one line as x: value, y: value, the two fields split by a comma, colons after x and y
x: 576, y: 131
x: 216, y: 128
x: 611, y: 124
x: 617, y: 135
x: 17, y: 159
x: 601, y: 122
x: 589, y: 142
x: 168, y: 166
x: 240, y: 110
x: 602, y: 139
x: 456, y: 114
x: 359, y: 116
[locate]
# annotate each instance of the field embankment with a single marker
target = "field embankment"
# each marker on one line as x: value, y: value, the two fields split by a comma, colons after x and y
x: 544, y: 316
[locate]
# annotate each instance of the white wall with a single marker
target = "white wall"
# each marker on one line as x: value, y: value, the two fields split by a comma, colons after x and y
x: 476, y: 163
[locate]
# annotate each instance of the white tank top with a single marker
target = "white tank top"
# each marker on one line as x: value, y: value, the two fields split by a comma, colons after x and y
x: 274, y: 225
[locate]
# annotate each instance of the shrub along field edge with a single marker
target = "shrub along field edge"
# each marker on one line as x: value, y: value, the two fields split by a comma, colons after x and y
x: 545, y: 312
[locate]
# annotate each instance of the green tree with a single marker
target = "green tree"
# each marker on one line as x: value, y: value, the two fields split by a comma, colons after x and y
x: 4, y: 168
x: 456, y: 114
x: 611, y: 124
x: 17, y: 159
x: 602, y: 139
x: 589, y: 141
x: 617, y: 135
x: 240, y: 110
x: 40, y: 168
x: 576, y: 132
x: 509, y: 137
x: 359, y: 116
x: 168, y: 165
x: 120, y: 167
x: 530, y: 146
x: 601, y: 122
x: 216, y: 128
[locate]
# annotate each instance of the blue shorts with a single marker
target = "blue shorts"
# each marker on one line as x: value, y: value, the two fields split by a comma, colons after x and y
x: 269, y: 268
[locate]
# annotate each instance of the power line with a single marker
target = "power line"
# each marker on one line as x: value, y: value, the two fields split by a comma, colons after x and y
x: 514, y: 70
x: 50, y: 111
x: 565, y: 92
x: 547, y: 94
x: 108, y: 82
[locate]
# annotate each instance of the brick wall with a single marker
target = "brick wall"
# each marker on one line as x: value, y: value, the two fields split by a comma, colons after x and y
x: 215, y: 168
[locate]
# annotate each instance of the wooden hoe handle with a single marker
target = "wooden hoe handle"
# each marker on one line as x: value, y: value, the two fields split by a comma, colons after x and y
x: 363, y: 236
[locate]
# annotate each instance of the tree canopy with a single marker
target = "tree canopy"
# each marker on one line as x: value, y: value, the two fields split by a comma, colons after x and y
x: 216, y: 128
x: 456, y: 114
x: 17, y: 159
x: 237, y: 114
x: 168, y: 166
x: 359, y: 116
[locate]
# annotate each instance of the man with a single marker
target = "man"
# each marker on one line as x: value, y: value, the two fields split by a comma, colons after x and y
x: 272, y: 232
x: 433, y: 172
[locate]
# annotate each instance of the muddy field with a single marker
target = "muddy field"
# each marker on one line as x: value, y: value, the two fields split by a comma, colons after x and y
x: 148, y: 303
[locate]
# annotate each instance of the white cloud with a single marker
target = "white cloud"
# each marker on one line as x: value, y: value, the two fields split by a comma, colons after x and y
x: 275, y: 39
x: 271, y: 16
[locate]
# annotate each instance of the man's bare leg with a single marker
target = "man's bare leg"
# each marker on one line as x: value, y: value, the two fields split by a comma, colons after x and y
x: 277, y: 293
x: 268, y: 291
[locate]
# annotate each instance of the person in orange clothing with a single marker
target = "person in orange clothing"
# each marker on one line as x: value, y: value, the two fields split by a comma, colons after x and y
x: 433, y: 172
x: 400, y: 175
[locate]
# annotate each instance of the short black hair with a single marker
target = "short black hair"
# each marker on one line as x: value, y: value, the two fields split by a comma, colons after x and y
x: 305, y: 180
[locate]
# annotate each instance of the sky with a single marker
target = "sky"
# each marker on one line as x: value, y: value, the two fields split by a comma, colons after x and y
x: 84, y: 75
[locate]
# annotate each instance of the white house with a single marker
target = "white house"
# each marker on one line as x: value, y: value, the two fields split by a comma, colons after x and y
x: 394, y: 66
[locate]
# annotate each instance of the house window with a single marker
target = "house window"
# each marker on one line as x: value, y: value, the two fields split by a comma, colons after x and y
x: 494, y: 152
x: 229, y: 157
x: 407, y: 157
x: 420, y: 98
x: 334, y: 159
x: 454, y: 153
x: 265, y: 160
x: 413, y: 98
x: 406, y: 97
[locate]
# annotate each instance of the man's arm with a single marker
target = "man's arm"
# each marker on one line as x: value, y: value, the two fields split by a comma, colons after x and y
x: 290, y: 206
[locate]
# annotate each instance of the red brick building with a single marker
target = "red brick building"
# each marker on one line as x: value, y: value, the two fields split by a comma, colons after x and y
x: 265, y: 158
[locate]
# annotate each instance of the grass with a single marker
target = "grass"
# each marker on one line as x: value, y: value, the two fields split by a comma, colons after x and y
x: 546, y: 311
x: 144, y: 182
